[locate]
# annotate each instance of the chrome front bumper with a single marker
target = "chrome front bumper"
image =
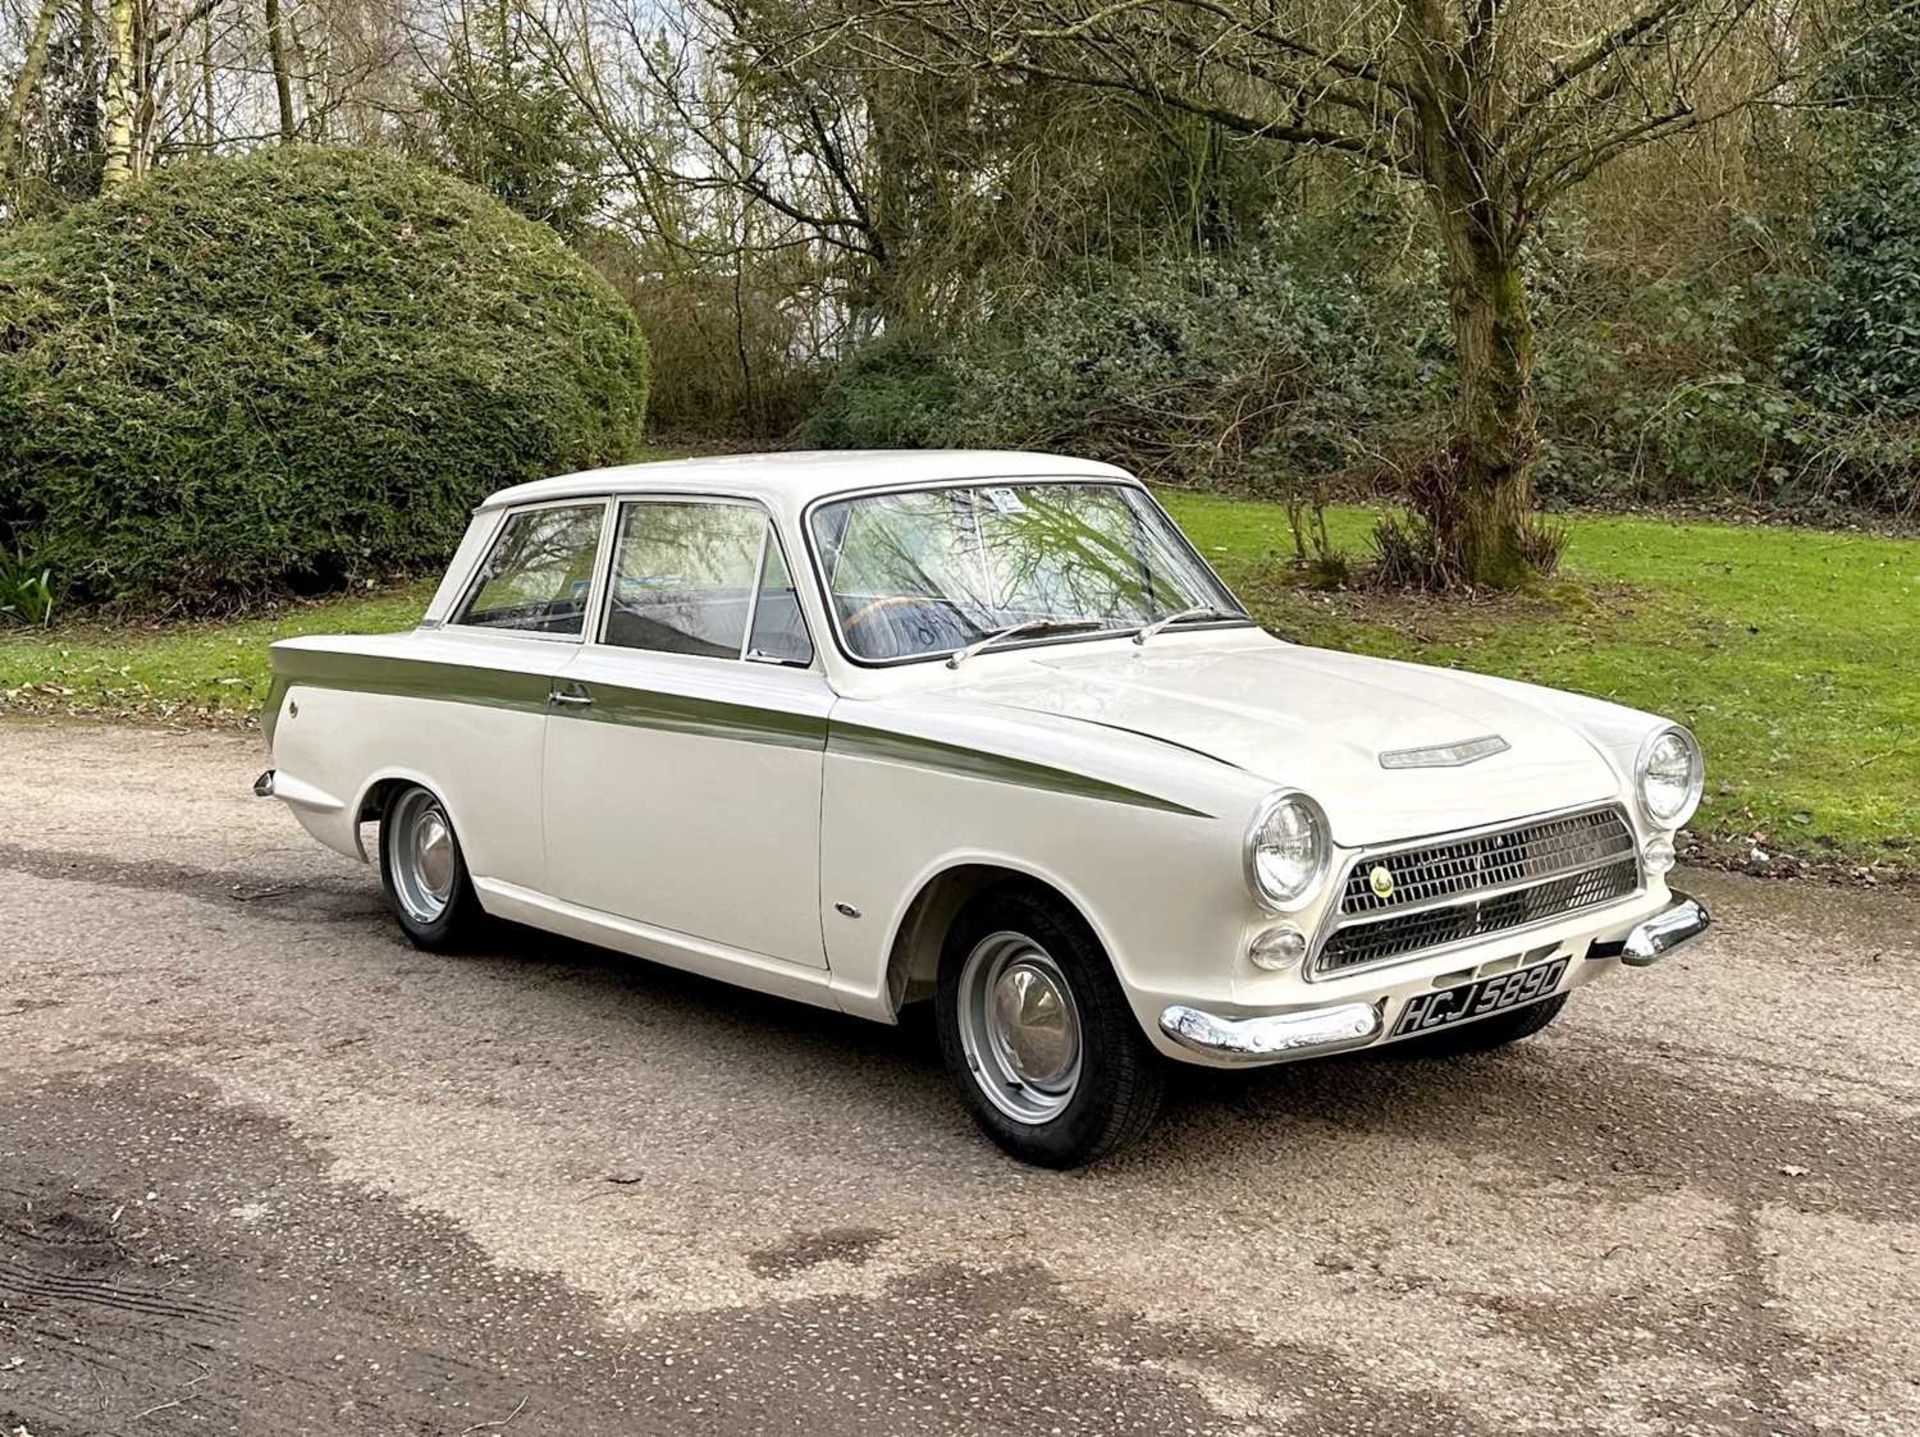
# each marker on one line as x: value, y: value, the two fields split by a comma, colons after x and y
x: 1279, y: 1035
x: 1340, y: 1026
x: 1681, y: 921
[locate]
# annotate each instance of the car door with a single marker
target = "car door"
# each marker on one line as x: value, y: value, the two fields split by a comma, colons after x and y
x: 489, y: 668
x: 687, y: 739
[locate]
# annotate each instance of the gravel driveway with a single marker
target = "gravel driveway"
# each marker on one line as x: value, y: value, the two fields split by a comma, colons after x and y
x: 265, y: 1169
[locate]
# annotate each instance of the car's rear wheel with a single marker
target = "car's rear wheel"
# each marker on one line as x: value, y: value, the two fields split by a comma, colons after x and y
x: 1484, y: 1034
x: 424, y: 873
x: 1038, y: 1035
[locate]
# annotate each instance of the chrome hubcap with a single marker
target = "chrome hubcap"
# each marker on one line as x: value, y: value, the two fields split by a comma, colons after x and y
x: 420, y: 855
x: 1019, y: 1027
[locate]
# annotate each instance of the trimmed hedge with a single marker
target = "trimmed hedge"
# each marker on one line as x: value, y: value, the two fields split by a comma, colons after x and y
x: 293, y: 370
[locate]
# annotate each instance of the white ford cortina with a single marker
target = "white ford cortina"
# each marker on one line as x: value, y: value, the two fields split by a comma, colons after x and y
x: 864, y: 729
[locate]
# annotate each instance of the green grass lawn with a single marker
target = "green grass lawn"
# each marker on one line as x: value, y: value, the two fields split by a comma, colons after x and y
x: 1794, y: 654
x: 205, y: 671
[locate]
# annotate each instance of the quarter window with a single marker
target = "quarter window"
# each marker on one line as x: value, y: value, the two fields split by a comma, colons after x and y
x: 693, y: 577
x: 538, y: 575
x: 779, y: 633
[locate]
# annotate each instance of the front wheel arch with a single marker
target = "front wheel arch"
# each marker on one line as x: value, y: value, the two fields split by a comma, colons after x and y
x: 913, y: 957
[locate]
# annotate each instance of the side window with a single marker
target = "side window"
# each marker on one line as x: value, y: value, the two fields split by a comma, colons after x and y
x: 779, y: 633
x: 684, y: 577
x: 537, y: 576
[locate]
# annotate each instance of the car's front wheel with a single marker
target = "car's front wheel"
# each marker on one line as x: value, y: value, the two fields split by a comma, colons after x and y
x: 424, y: 873
x: 1038, y: 1035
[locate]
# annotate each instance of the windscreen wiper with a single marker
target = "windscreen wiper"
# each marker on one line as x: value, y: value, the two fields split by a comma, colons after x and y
x: 1026, y: 627
x: 1184, y: 616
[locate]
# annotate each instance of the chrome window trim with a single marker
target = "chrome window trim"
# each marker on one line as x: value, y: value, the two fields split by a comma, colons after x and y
x: 1330, y: 916
x: 1109, y: 481
x: 769, y: 536
x: 470, y: 589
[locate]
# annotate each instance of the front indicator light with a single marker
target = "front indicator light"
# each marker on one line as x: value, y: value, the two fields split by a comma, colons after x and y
x: 1657, y: 855
x: 1278, y: 948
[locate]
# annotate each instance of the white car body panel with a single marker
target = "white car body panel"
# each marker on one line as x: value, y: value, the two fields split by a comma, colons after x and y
x: 777, y: 826
x: 666, y: 822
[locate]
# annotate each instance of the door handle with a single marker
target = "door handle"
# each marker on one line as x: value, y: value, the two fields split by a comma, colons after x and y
x: 575, y: 698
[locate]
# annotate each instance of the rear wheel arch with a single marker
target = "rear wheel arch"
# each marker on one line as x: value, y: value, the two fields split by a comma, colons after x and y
x: 379, y: 792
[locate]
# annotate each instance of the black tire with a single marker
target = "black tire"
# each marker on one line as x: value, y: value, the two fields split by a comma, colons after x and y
x: 1120, y: 1077
x: 1484, y: 1034
x: 460, y: 917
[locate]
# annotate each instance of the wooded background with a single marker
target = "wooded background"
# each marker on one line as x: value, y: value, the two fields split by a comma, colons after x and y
x: 1475, y: 250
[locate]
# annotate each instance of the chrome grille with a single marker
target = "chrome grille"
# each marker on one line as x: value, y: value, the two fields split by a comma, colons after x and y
x: 1489, y: 860
x: 1464, y: 888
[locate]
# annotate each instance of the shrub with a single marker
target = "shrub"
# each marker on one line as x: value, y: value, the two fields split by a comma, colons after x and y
x: 296, y: 369
x: 1196, y: 369
x: 890, y: 394
x: 1189, y: 368
x: 26, y: 590
x: 1859, y: 350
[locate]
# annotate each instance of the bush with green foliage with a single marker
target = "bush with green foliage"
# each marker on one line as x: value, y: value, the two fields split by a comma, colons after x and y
x: 293, y: 370
x: 1188, y: 368
x: 891, y: 393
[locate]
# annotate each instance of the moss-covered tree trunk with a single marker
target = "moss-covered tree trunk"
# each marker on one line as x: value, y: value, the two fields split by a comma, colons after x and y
x: 1495, y: 434
x: 1479, y: 495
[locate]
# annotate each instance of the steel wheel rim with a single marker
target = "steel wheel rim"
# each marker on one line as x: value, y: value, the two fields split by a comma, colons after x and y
x: 1020, y: 1028
x: 420, y: 856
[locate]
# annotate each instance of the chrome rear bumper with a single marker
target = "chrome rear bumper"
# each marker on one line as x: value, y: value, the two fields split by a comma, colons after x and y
x: 263, y: 785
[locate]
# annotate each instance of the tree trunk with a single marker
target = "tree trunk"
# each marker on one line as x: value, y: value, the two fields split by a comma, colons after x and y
x: 209, y: 133
x: 121, y: 157
x: 282, y: 81
x: 23, y: 86
x: 1476, y: 498
x: 1491, y: 458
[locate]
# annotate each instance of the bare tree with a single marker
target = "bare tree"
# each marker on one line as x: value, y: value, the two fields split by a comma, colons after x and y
x: 23, y: 84
x: 1492, y: 108
x: 282, y: 77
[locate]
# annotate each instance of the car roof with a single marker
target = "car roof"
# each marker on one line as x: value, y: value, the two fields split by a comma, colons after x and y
x: 797, y: 477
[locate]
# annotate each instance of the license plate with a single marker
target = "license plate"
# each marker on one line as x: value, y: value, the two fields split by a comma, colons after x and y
x: 1427, y: 1011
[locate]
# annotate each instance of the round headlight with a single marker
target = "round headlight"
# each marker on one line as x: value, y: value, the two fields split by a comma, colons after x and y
x: 1671, y: 777
x: 1287, y: 850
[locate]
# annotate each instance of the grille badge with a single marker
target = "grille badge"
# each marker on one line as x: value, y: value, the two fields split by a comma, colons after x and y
x: 1381, y: 881
x: 1446, y: 755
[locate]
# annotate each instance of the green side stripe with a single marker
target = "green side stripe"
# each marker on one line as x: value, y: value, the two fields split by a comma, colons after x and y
x: 709, y: 718
x: 406, y: 678
x: 676, y: 713
x: 858, y: 741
